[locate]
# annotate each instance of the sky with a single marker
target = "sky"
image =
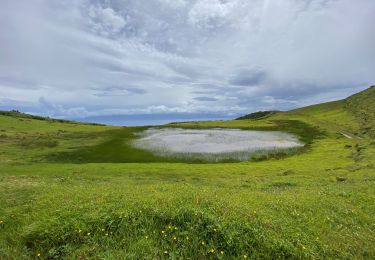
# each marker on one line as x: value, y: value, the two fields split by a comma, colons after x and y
x: 191, y: 58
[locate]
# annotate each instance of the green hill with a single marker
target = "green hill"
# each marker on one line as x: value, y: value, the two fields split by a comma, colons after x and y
x: 257, y: 115
x: 80, y: 191
x: 355, y: 114
x: 362, y: 106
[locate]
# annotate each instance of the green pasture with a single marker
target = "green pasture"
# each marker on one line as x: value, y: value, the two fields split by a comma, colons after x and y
x: 80, y: 191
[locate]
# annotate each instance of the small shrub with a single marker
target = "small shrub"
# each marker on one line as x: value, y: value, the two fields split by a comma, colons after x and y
x: 279, y: 186
x: 38, y: 143
x: 282, y: 185
x: 287, y: 172
x: 341, y: 179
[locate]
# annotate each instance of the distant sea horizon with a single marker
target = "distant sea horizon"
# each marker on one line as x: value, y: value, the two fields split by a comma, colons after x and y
x: 152, y: 119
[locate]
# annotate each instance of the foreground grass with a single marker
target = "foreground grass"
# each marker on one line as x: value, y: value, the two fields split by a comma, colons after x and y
x: 62, y: 194
x: 294, y: 207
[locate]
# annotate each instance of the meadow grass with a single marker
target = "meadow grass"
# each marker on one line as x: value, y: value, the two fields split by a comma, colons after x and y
x: 79, y: 191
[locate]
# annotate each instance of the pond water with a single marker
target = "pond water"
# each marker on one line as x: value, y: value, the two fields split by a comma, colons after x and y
x: 214, y: 144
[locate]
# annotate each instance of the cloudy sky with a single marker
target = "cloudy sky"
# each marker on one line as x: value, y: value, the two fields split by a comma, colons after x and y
x: 91, y: 58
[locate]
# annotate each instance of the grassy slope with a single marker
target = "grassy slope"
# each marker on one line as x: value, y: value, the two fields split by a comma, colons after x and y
x: 316, y: 204
x: 362, y: 106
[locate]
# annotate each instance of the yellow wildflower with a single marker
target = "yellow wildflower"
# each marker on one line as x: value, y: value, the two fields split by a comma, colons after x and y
x: 38, y: 254
x: 212, y: 250
x: 245, y: 256
x: 174, y: 238
x: 203, y: 243
x: 88, y: 233
x: 222, y: 252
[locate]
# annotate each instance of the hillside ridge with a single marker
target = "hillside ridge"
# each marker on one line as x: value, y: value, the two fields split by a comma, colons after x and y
x: 358, y: 106
x: 369, y: 93
x: 361, y: 106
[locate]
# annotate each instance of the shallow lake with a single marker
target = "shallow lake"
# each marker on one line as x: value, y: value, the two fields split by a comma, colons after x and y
x: 214, y: 144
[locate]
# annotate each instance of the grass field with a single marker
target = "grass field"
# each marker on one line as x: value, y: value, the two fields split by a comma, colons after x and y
x: 77, y: 191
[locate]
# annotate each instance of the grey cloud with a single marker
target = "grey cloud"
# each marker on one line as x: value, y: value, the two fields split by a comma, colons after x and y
x: 43, y: 101
x: 210, y: 99
x: 136, y: 91
x: 129, y: 56
x: 19, y: 82
x: 118, y: 91
x: 48, y: 108
x: 248, y: 77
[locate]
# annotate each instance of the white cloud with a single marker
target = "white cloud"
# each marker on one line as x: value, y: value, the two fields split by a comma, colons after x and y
x: 210, y: 14
x: 105, y: 21
x: 174, y: 3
